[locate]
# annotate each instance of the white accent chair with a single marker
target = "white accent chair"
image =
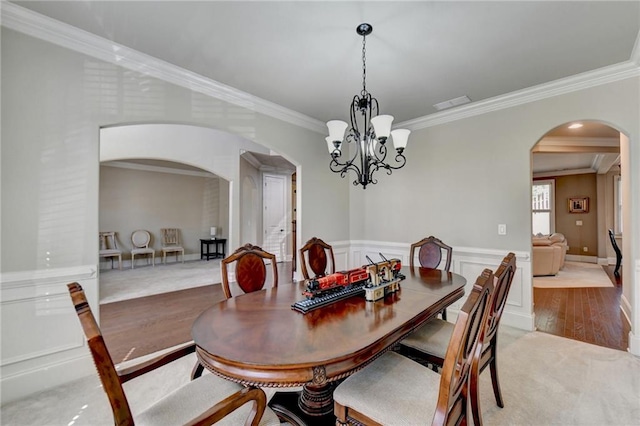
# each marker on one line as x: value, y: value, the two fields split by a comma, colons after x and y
x: 109, y: 247
x: 140, y: 240
x: 171, y: 243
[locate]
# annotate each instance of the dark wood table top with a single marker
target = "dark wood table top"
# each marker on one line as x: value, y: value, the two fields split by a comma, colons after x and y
x: 258, y: 339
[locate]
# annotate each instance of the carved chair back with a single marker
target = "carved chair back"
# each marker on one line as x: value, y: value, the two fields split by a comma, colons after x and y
x: 503, y: 278
x: 170, y: 237
x: 104, y: 364
x: 315, y: 255
x: 463, y: 353
x: 250, y: 269
x: 614, y: 243
x: 430, y: 253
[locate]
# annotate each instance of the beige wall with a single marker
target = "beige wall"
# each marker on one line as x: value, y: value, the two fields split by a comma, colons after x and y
x: 586, y: 235
x: 139, y: 199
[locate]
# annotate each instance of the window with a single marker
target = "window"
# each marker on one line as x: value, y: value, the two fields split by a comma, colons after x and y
x: 617, y: 206
x: 543, y: 207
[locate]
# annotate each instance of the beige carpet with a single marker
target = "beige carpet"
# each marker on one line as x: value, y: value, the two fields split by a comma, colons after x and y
x: 575, y: 275
x: 116, y: 285
x: 546, y: 380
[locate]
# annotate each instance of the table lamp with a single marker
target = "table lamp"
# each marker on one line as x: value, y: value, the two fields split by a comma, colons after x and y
x: 213, y: 232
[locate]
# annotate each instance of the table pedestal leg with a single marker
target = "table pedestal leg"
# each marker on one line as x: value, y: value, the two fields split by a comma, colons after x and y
x: 311, y: 407
x: 316, y: 400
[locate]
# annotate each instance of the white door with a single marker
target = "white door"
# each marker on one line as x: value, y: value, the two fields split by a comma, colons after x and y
x: 275, y: 215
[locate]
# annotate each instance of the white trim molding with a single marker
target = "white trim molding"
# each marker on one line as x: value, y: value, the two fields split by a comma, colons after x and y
x: 55, y: 350
x: 36, y: 25
x: 467, y: 261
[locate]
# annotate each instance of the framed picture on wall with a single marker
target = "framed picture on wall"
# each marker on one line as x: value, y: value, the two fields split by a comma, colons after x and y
x: 579, y: 205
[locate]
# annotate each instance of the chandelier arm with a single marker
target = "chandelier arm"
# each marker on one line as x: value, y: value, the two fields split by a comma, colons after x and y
x: 343, y: 168
x: 370, y: 152
x: 400, y: 159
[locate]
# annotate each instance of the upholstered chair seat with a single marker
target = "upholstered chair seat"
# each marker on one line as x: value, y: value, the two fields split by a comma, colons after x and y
x: 379, y: 391
x: 432, y: 338
x: 109, y: 247
x: 178, y: 407
x: 207, y: 400
x: 171, y: 243
x: 395, y: 390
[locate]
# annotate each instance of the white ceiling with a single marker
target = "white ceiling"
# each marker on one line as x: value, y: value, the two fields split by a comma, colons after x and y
x: 306, y: 56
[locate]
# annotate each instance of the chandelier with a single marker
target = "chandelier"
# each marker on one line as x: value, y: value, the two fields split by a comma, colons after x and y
x: 369, y: 133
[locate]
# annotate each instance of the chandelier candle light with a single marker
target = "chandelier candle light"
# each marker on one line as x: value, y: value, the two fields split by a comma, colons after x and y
x: 369, y: 133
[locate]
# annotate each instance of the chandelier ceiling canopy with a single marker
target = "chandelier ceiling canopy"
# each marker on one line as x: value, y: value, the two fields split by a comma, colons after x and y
x: 368, y: 132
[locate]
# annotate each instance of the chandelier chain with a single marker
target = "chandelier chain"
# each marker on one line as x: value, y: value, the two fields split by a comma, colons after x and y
x: 364, y: 66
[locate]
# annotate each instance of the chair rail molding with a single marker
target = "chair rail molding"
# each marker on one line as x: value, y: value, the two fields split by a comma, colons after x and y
x: 55, y: 352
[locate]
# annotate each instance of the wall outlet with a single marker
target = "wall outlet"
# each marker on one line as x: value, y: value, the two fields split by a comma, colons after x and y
x: 502, y: 229
x: 585, y: 248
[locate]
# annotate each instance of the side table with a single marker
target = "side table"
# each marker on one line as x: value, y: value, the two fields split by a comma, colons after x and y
x: 205, y: 247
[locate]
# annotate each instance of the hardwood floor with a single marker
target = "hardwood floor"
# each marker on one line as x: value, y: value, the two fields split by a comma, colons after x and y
x: 591, y: 315
x: 137, y: 327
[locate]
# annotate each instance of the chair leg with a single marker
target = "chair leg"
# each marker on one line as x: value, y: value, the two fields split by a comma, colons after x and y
x: 133, y: 260
x: 493, y: 366
x: 496, y: 385
x: 444, y: 314
x: 475, y: 399
x: 197, y: 371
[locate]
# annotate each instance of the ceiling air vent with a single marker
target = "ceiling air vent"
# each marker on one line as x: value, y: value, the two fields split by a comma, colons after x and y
x: 452, y: 103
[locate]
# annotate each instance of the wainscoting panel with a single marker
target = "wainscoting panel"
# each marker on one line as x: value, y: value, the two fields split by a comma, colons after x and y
x: 54, y: 350
x: 468, y: 262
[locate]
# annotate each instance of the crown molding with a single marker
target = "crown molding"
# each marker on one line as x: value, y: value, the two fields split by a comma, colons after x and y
x: 39, y: 26
x: 567, y: 172
x: 36, y: 25
x: 561, y: 86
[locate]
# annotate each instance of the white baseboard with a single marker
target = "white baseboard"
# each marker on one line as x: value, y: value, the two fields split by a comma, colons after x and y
x: 126, y: 263
x: 580, y: 258
x: 45, y: 377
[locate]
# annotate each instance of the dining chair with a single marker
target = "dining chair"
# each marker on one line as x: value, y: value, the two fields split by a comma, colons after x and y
x: 429, y: 343
x: 171, y: 243
x: 250, y: 269
x: 109, y: 247
x: 250, y: 275
x: 393, y: 389
x: 140, y: 240
x: 430, y: 256
x: 210, y: 399
x: 314, y: 255
x: 614, y: 243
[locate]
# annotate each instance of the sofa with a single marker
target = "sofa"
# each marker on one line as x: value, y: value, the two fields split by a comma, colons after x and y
x: 549, y: 252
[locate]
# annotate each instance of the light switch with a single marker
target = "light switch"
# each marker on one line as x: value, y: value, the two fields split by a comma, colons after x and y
x: 578, y: 223
x: 502, y: 229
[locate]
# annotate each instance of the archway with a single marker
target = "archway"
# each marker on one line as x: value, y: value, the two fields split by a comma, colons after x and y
x: 577, y: 168
x: 211, y: 150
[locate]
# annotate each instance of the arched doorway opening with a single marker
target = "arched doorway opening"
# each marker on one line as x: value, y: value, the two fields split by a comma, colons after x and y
x: 214, y: 154
x: 577, y: 174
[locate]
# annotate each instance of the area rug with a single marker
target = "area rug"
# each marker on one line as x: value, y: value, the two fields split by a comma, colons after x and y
x: 116, y: 285
x: 575, y: 275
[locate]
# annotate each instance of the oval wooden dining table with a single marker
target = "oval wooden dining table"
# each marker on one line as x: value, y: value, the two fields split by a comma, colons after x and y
x: 258, y: 339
